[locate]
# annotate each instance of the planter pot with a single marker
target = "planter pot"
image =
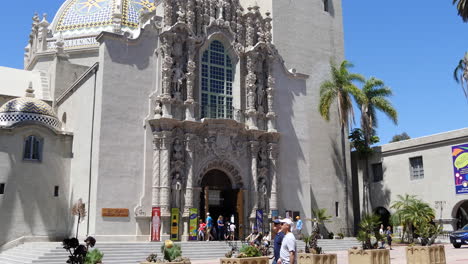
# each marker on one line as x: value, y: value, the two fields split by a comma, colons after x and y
x: 146, y: 262
x: 371, y: 256
x: 426, y: 255
x: 256, y: 260
x: 306, y: 258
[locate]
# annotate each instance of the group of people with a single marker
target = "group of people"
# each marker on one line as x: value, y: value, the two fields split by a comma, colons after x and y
x: 221, y: 231
x: 284, y: 245
x: 386, y: 234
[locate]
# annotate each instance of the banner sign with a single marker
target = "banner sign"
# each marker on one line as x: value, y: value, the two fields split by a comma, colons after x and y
x: 156, y: 224
x: 193, y: 224
x: 259, y: 221
x: 460, y: 168
x: 175, y: 224
x: 115, y: 212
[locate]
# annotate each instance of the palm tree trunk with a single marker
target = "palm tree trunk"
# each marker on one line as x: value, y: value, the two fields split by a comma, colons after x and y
x: 345, y: 166
x: 78, y: 225
x: 365, y: 193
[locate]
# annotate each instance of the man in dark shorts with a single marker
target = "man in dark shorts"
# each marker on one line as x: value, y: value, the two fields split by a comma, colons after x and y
x: 388, y: 234
x: 278, y: 240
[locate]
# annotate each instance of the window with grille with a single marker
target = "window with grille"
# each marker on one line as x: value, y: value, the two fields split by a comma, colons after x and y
x: 377, y: 171
x: 32, y: 148
x: 416, y: 168
x: 216, y: 82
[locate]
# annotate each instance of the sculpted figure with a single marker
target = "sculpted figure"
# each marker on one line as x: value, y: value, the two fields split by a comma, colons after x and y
x: 178, y: 77
x: 178, y: 150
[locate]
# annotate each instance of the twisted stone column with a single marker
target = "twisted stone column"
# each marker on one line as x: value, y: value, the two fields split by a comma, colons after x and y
x: 165, y: 178
x: 156, y: 180
x: 190, y: 148
x: 273, y: 156
x: 254, y: 153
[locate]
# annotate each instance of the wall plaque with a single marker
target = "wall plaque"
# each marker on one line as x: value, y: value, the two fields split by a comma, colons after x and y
x: 115, y: 212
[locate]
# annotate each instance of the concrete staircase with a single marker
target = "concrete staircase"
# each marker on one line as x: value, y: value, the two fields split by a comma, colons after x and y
x: 131, y: 253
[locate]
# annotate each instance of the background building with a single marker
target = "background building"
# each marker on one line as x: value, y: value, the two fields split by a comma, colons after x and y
x: 423, y: 167
x: 210, y: 105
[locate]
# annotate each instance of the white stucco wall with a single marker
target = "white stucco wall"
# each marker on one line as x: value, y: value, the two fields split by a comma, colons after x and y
x: 28, y: 207
x: 307, y: 38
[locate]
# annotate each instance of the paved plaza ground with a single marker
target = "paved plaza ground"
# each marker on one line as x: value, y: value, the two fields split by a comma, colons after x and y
x: 397, y: 255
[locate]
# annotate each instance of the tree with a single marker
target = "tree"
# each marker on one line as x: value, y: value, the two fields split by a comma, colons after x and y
x: 338, y: 90
x: 411, y: 213
x: 460, y: 74
x: 368, y: 227
x: 372, y: 98
x: 79, y: 209
x: 462, y: 7
x: 400, y: 137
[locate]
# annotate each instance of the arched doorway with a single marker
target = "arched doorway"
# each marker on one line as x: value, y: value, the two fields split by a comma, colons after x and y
x: 384, y: 216
x: 461, y: 214
x: 219, y: 198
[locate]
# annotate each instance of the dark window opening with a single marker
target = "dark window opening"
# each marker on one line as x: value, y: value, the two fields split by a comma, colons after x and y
x: 377, y: 171
x: 326, y: 6
x: 2, y: 188
x: 416, y: 168
x: 32, y: 148
x: 56, y: 191
x: 337, y: 206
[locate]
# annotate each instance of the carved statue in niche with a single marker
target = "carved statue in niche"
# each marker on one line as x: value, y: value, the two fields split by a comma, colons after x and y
x: 178, y: 77
x: 176, y: 189
x: 220, y: 10
x: 261, y: 76
x: 178, y: 154
x: 263, y: 157
x: 262, y: 193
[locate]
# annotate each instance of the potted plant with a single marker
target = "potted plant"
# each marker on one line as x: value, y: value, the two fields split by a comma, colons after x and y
x: 248, y: 254
x: 369, y: 236
x: 313, y: 253
x: 171, y: 253
x: 94, y: 257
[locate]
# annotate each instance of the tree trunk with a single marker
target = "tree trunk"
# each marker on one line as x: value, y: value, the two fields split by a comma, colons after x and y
x: 345, y: 166
x: 366, y: 189
x: 78, y: 225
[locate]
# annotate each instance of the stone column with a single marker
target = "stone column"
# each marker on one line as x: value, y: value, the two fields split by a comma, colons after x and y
x: 168, y: 13
x: 190, y: 148
x: 253, y: 190
x: 165, y: 181
x: 156, y: 180
x: 191, y: 67
x: 271, y: 115
x: 273, y: 156
x: 251, y: 88
x: 168, y: 61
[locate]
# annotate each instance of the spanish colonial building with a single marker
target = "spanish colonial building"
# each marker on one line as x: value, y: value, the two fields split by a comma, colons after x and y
x: 142, y: 104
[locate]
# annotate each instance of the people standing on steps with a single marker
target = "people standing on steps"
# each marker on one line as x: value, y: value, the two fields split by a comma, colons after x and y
x: 288, y: 252
x: 299, y: 227
x: 209, y: 227
x: 278, y: 240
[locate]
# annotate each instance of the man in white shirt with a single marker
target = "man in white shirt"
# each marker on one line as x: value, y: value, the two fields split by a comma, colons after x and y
x: 288, y: 252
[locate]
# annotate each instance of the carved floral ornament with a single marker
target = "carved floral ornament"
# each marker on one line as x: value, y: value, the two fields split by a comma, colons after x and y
x: 188, y: 26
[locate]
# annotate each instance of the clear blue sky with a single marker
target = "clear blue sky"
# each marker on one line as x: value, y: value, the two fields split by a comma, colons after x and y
x: 412, y: 45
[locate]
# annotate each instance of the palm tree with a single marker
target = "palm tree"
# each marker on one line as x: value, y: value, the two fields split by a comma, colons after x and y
x: 339, y: 90
x: 460, y: 74
x: 368, y: 227
x: 373, y: 98
x: 462, y: 7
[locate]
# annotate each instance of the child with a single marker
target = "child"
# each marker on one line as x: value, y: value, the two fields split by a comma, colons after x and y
x: 201, y: 231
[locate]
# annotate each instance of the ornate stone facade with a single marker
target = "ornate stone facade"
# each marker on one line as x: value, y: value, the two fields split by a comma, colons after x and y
x: 186, y: 149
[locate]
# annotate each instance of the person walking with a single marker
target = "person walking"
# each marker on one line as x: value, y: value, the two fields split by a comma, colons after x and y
x: 201, y: 231
x: 232, y: 229
x: 388, y: 234
x: 220, y: 224
x: 299, y: 227
x: 209, y: 227
x: 288, y: 252
x: 382, y: 234
x: 278, y: 240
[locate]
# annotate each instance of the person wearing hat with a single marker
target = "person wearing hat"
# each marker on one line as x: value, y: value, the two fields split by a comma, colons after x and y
x: 278, y: 240
x: 288, y: 250
x: 298, y: 227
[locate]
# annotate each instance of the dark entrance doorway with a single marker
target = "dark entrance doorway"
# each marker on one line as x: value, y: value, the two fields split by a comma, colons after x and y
x: 219, y: 198
x: 384, y: 216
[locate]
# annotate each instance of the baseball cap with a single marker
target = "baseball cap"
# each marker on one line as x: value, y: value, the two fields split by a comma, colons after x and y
x: 276, y: 221
x: 286, y: 221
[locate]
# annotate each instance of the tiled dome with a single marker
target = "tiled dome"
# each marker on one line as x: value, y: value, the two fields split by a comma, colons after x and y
x: 27, y: 105
x: 28, y: 109
x: 91, y: 17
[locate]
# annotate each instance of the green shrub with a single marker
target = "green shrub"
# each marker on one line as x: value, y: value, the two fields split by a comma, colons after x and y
x: 171, y: 253
x: 94, y: 256
x: 248, y: 251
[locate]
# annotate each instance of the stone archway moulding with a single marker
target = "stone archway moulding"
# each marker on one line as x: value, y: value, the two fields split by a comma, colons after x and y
x: 225, y: 166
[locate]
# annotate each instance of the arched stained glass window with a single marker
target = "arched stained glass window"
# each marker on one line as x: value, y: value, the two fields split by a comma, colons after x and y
x: 216, y: 82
